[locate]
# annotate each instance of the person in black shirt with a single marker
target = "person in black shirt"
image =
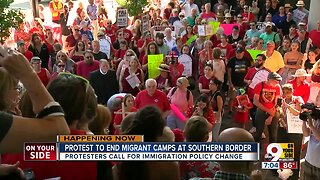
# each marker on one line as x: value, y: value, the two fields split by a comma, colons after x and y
x: 97, y: 54
x: 65, y: 30
x: 237, y: 69
x: 285, y: 25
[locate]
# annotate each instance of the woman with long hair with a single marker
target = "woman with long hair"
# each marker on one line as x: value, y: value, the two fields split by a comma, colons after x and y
x: 202, y: 108
x: 189, y: 34
x: 10, y: 92
x: 152, y: 49
x: 204, y: 56
x: 124, y: 63
x: 50, y: 41
x: 130, y: 74
x: 77, y: 54
x: 292, y: 61
x: 39, y: 49
x: 127, y: 108
x: 204, y: 80
x: 69, y: 63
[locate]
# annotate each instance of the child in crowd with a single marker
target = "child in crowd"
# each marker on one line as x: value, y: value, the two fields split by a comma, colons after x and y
x: 242, y: 104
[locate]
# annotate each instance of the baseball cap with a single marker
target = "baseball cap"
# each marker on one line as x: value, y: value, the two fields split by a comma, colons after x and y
x: 268, y: 24
x: 274, y: 76
x: 239, y: 50
x: 20, y: 42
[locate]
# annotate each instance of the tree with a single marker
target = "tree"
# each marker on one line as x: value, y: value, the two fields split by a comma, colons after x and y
x: 134, y: 7
x: 9, y: 18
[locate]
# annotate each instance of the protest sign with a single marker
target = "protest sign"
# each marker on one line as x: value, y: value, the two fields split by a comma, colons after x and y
x: 254, y: 53
x: 215, y: 26
x: 145, y: 23
x: 294, y: 123
x: 122, y: 17
x: 154, y: 62
x: 228, y: 28
x: 186, y: 61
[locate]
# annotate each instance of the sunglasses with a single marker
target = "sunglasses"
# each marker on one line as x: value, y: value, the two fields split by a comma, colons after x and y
x: 240, y: 17
x: 61, y: 66
x: 73, y: 76
x: 228, y: 18
x: 61, y: 56
x: 129, y: 55
x: 120, y: 34
x: 76, y: 29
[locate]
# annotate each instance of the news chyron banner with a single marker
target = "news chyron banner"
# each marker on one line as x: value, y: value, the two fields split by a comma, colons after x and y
x: 279, y: 156
x: 132, y: 148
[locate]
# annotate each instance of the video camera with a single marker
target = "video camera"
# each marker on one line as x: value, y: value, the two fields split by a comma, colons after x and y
x: 313, y: 113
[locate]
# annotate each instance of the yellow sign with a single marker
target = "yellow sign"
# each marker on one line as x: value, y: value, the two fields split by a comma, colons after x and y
x: 154, y: 62
x: 215, y: 26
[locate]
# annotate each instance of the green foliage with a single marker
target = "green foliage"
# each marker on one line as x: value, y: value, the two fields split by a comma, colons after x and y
x: 9, y: 18
x: 135, y: 7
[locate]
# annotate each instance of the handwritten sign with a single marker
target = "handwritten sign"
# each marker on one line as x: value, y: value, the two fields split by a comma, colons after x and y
x: 186, y: 61
x: 161, y: 29
x: 145, y: 23
x: 154, y: 62
x: 294, y: 123
x: 254, y: 53
x: 122, y: 17
x: 228, y: 28
x: 205, y: 30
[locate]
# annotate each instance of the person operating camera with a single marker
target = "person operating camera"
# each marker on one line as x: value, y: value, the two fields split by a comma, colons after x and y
x: 311, y: 128
x: 176, y: 69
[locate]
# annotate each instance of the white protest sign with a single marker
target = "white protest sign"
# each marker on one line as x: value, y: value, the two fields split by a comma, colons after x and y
x: 122, y: 17
x: 186, y: 61
x: 201, y: 30
x: 260, y: 76
x: 133, y: 80
x: 294, y: 123
x: 105, y: 45
x: 145, y: 23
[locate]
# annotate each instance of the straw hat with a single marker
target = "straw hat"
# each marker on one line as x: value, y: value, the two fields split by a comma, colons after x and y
x: 300, y: 3
x: 288, y: 6
x: 228, y: 15
x: 301, y: 73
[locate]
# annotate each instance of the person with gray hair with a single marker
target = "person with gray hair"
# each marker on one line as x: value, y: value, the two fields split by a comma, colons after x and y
x: 152, y: 96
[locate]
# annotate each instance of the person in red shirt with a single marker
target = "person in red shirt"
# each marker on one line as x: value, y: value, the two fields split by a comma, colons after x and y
x: 42, y: 73
x: 204, y: 80
x: 128, y: 107
x: 84, y: 68
x: 266, y: 95
x: 300, y: 86
x: 21, y: 47
x: 152, y: 96
x: 202, y: 108
x: 111, y: 31
x: 176, y: 68
x: 242, y: 104
x: 315, y: 34
x: 208, y: 14
x: 224, y: 45
x: 50, y: 41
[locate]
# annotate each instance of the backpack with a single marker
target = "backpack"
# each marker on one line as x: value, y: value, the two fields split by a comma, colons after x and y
x: 175, y: 89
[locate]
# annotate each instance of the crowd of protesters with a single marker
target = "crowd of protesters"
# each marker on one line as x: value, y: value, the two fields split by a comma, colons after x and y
x: 99, y: 81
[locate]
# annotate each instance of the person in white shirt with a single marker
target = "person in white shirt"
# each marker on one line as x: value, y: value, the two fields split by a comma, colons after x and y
x: 169, y: 40
x: 187, y: 6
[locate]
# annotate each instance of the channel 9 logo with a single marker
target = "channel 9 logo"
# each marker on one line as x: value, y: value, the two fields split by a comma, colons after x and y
x: 279, y: 151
